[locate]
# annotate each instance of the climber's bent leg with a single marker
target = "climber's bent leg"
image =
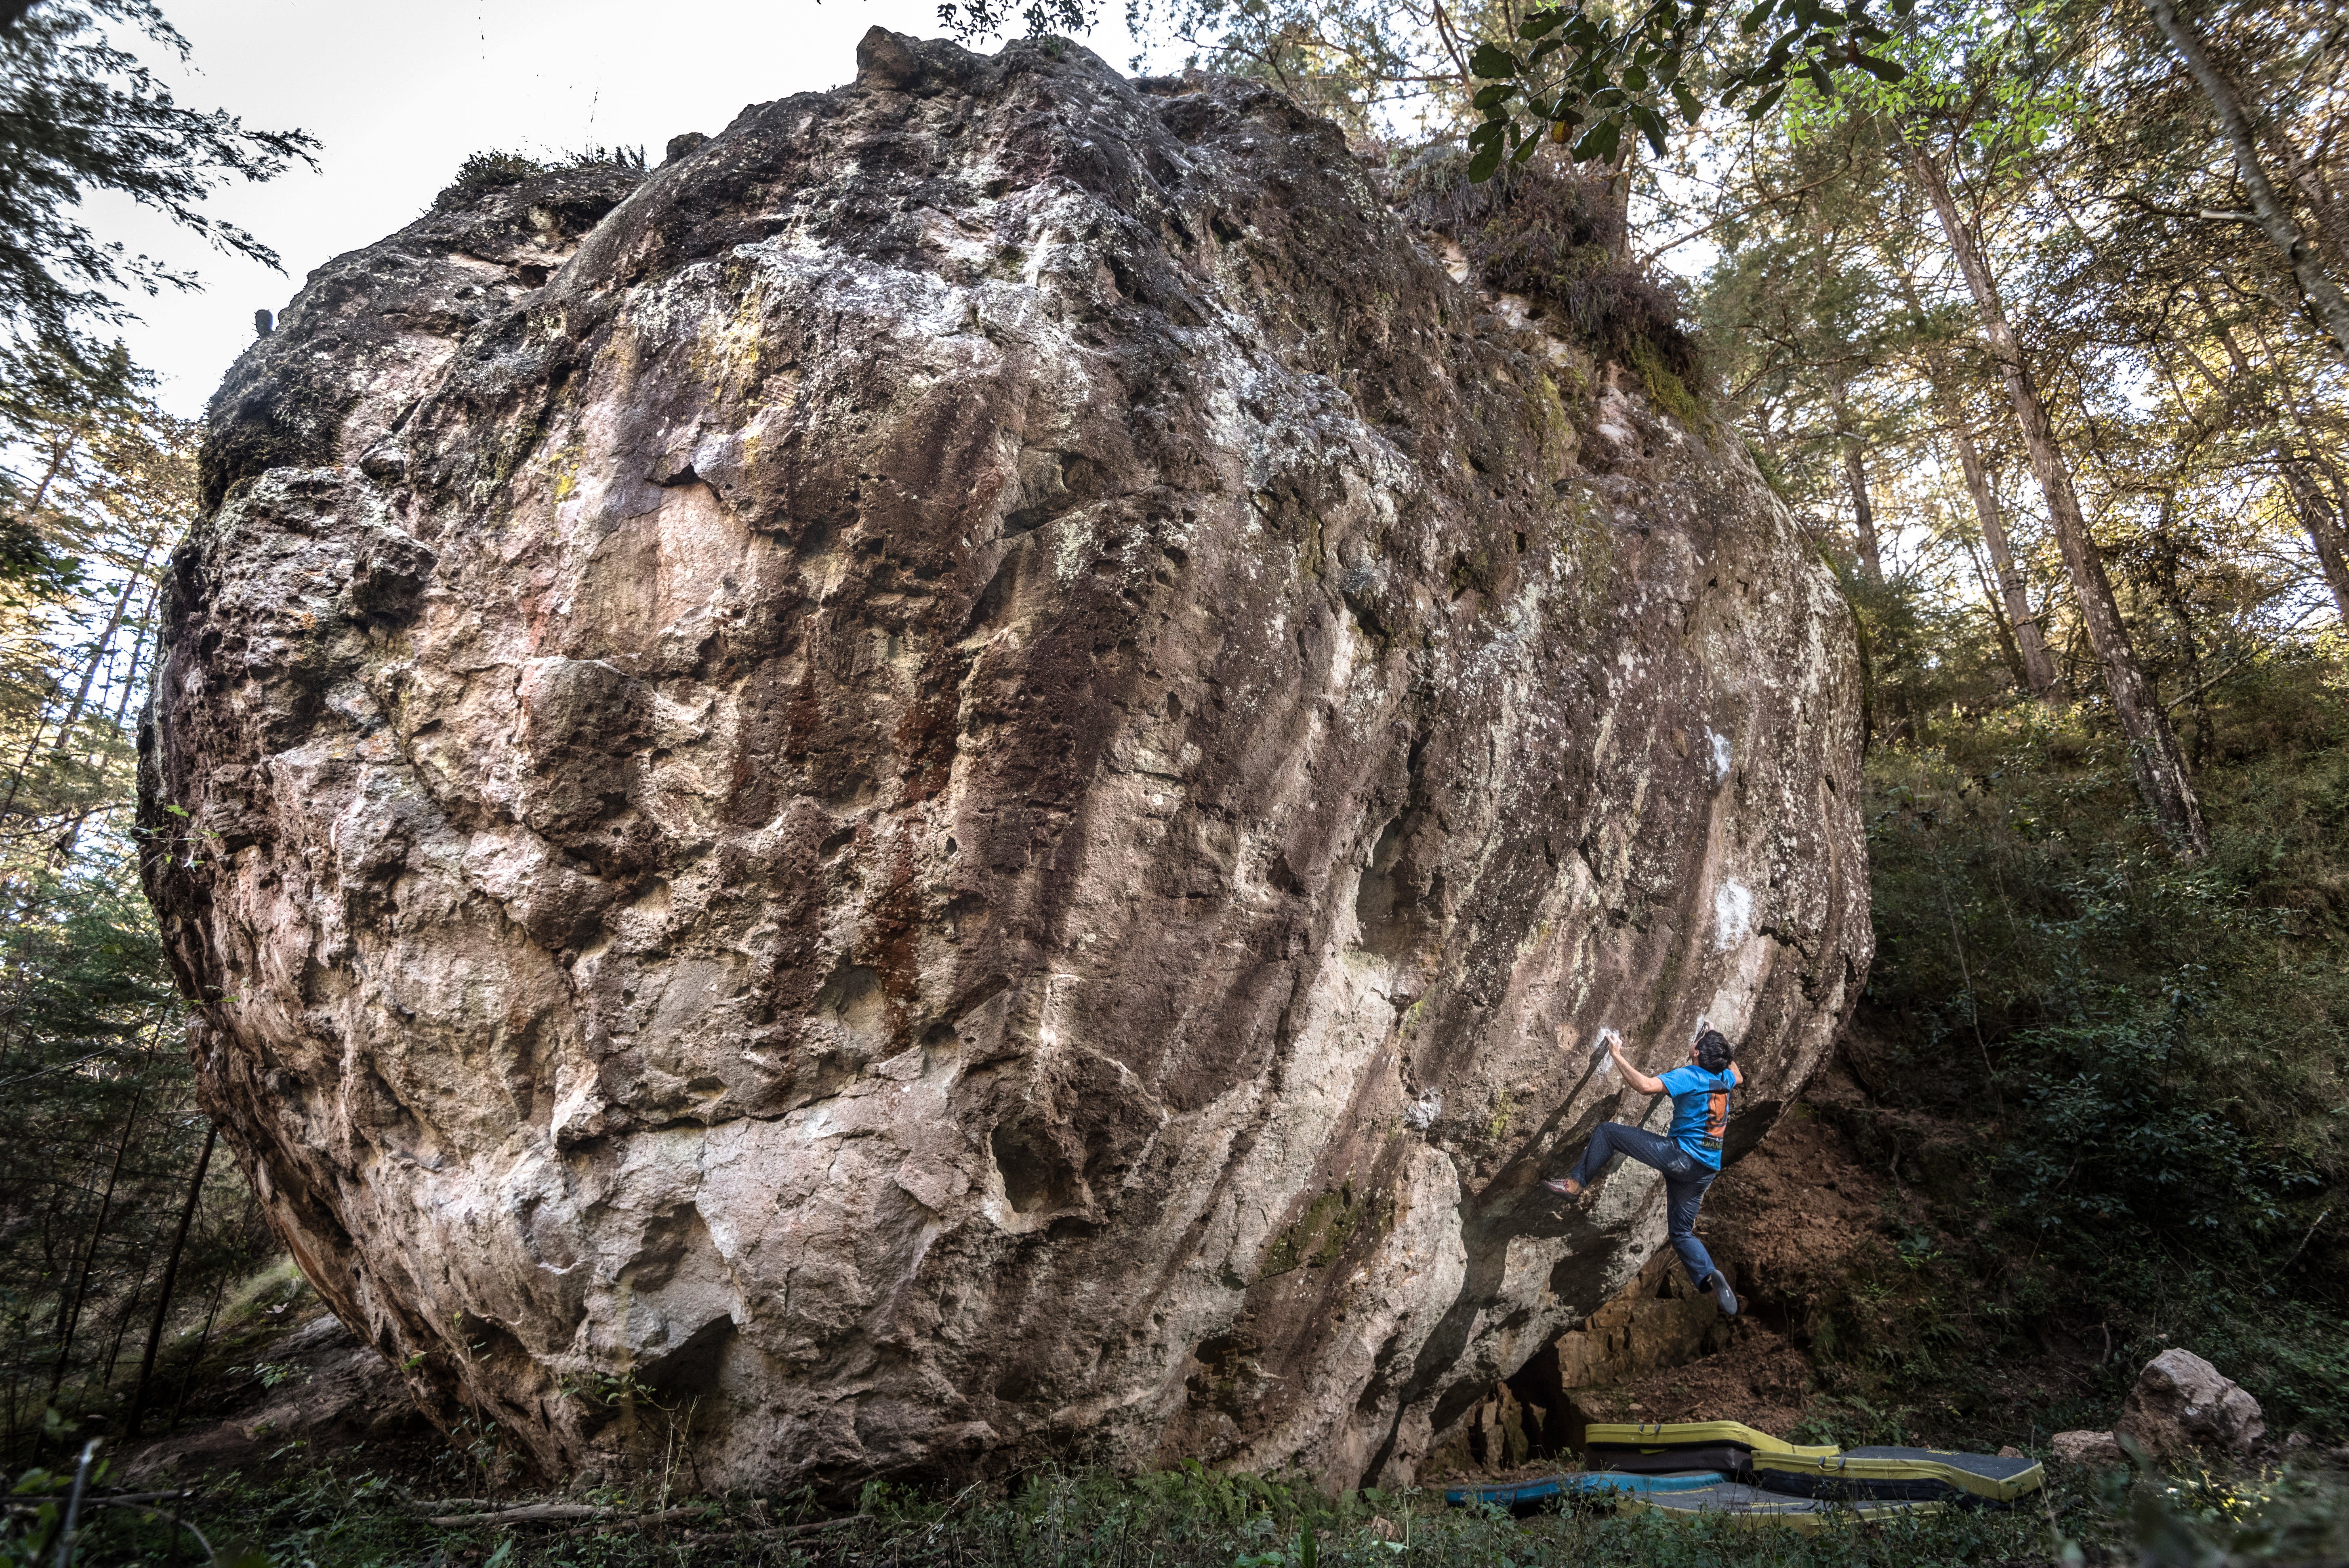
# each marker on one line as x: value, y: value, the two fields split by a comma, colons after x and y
x: 1683, y: 1194
x: 1684, y: 1191
x: 1615, y: 1138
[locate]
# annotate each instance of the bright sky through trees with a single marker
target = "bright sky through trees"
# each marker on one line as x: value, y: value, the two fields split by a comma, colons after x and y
x: 399, y: 97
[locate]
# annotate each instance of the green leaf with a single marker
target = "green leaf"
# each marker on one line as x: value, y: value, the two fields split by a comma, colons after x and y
x: 1762, y: 105
x: 1487, y: 162
x: 1495, y: 96
x: 1650, y: 126
x: 1879, y: 67
x: 1492, y: 62
x: 1690, y: 111
x: 1757, y: 16
x: 1819, y: 78
x: 1635, y: 79
x: 1486, y: 135
x: 1600, y: 141
x: 1541, y: 23
x: 1532, y: 144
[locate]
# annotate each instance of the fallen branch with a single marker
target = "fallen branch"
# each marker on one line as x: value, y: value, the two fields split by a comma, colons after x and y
x: 585, y: 1516
x: 141, y: 1502
x: 527, y: 1513
x: 763, y: 1532
x: 820, y: 1525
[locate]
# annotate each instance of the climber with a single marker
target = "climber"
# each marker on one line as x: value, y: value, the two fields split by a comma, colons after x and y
x: 1688, y: 1156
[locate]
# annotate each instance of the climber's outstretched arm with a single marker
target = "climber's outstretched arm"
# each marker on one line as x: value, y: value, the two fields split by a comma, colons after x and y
x: 1631, y: 1075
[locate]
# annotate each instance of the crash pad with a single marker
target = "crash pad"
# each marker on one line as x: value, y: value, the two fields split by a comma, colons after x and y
x: 1594, y: 1488
x: 1745, y: 1504
x: 1659, y: 1448
x: 1820, y: 1473
x: 1922, y: 1475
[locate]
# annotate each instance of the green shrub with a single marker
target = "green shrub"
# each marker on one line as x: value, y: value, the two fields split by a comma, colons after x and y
x: 2148, y: 1059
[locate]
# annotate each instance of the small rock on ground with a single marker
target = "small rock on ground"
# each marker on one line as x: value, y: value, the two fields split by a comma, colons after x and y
x: 2100, y: 1449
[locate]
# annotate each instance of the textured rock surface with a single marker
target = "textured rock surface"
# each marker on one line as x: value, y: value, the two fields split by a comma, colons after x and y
x: 2101, y: 1450
x: 2182, y: 1404
x: 1657, y: 1320
x: 937, y: 786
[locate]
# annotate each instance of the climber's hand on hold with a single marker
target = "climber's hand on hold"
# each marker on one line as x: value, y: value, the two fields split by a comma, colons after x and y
x: 1631, y: 1075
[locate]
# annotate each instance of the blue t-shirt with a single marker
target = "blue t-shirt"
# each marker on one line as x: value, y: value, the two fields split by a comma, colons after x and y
x: 1700, y: 1112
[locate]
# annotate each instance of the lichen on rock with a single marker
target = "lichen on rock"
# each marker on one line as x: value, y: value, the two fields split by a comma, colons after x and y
x: 962, y: 780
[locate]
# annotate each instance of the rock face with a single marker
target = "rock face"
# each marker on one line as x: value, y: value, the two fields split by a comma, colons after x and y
x: 935, y: 790
x: 2182, y: 1404
x: 1657, y: 1321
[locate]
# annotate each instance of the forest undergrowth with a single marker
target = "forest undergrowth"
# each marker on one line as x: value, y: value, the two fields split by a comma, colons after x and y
x: 330, y: 1515
x: 2106, y: 1091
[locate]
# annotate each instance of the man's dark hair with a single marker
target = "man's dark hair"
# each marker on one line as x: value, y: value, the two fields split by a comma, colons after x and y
x: 1713, y: 1051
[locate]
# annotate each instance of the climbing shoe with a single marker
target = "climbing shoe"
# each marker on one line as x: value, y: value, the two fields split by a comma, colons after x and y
x: 1723, y: 1296
x: 1564, y: 1186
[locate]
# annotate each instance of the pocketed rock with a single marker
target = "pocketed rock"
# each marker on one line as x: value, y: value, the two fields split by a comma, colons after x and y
x: 2181, y: 1405
x: 962, y: 781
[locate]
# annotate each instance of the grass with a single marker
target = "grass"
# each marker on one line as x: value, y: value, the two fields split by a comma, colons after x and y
x: 320, y: 1517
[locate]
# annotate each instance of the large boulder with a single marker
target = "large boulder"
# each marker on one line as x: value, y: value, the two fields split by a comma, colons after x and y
x: 2182, y: 1404
x: 962, y: 781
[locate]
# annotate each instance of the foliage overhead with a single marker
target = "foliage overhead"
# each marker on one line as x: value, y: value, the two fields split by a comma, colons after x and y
x: 1577, y: 67
x: 79, y: 114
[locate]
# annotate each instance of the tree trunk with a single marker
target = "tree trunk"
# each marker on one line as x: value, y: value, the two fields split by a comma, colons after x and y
x: 2331, y: 232
x: 170, y: 1277
x: 1855, y: 469
x: 2173, y: 599
x: 69, y: 1304
x: 2030, y: 644
x: 146, y: 622
x: 2323, y: 530
x: 105, y: 646
x: 2008, y: 650
x: 2154, y: 757
x: 203, y: 1342
x: 1863, y: 515
x: 58, y: 451
x: 2317, y: 513
x: 2324, y: 295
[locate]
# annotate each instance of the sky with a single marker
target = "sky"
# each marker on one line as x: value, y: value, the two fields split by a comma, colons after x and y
x: 401, y: 95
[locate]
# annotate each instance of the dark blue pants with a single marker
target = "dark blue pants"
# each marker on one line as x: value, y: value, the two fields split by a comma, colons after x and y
x: 1684, y: 1184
